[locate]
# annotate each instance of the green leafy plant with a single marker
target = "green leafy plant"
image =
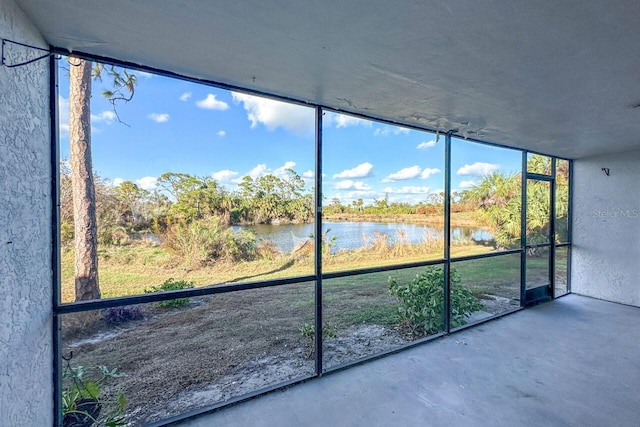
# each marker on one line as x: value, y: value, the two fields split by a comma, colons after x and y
x: 328, y: 242
x: 83, y: 399
x: 308, y: 331
x: 171, y: 285
x: 422, y: 301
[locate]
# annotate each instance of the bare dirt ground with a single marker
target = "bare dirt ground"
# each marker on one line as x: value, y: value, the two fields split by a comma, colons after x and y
x: 218, y: 347
x: 281, y: 365
x: 223, y: 346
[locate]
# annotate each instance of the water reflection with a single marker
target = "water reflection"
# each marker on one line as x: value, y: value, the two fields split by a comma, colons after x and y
x: 354, y: 235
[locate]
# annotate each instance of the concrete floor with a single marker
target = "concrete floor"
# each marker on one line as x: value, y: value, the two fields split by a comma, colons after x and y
x: 571, y: 362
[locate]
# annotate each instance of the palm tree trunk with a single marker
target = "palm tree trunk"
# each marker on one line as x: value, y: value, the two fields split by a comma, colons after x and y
x: 84, y: 196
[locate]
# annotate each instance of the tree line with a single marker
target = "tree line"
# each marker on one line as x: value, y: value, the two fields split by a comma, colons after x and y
x: 126, y: 209
x: 180, y: 199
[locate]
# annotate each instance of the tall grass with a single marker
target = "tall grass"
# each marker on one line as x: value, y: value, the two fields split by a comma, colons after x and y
x: 128, y: 270
x: 399, y: 245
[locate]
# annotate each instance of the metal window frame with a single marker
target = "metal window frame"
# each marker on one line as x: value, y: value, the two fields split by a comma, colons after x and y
x: 59, y: 309
x: 318, y: 244
x: 447, y: 234
x: 551, y: 244
x: 55, y: 240
x: 550, y: 179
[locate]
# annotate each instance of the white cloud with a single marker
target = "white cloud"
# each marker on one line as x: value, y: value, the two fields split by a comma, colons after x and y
x: 390, y: 130
x: 410, y: 173
x: 363, y: 170
x: 262, y: 170
x: 276, y: 114
x: 147, y: 182
x: 282, y: 170
x: 402, y: 174
x: 211, y: 103
x: 185, y: 96
x: 224, y: 175
x: 258, y: 171
x: 407, y: 189
x: 349, y: 196
x: 351, y: 185
x: 63, y: 112
x: 344, y: 185
x: 427, y: 172
x: 426, y: 144
x: 221, y: 133
x: 467, y: 184
x: 478, y: 169
x: 117, y: 181
x: 344, y: 120
x: 159, y: 117
x: 106, y: 117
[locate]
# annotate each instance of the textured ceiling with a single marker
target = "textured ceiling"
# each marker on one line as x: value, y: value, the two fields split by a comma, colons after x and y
x: 555, y: 77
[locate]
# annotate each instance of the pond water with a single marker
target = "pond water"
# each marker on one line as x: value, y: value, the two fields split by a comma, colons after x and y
x: 350, y: 235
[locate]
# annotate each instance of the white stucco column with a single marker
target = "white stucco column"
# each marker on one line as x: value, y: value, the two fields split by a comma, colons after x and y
x: 26, y: 394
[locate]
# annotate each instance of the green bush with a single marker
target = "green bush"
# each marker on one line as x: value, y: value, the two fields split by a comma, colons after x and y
x: 241, y: 246
x: 171, y: 285
x: 422, y: 301
x: 208, y: 240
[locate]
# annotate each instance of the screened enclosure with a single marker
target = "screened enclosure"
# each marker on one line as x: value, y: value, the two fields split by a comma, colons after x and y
x: 244, y: 242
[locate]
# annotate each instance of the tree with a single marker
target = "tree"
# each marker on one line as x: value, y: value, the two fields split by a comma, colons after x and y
x: 81, y: 74
x: 195, y: 197
x: 269, y: 197
x: 382, y: 205
x: 84, y: 196
x: 131, y: 205
x: 497, y: 201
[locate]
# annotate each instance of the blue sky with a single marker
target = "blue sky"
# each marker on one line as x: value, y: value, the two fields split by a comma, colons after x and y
x: 178, y: 126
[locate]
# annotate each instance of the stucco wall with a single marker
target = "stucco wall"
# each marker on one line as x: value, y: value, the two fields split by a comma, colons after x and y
x: 606, y: 238
x: 25, y: 232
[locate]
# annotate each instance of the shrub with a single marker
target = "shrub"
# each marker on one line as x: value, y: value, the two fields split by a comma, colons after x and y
x: 209, y: 239
x: 171, y: 285
x: 266, y: 249
x: 118, y: 315
x: 113, y: 235
x: 196, y: 241
x: 241, y: 246
x: 422, y: 301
